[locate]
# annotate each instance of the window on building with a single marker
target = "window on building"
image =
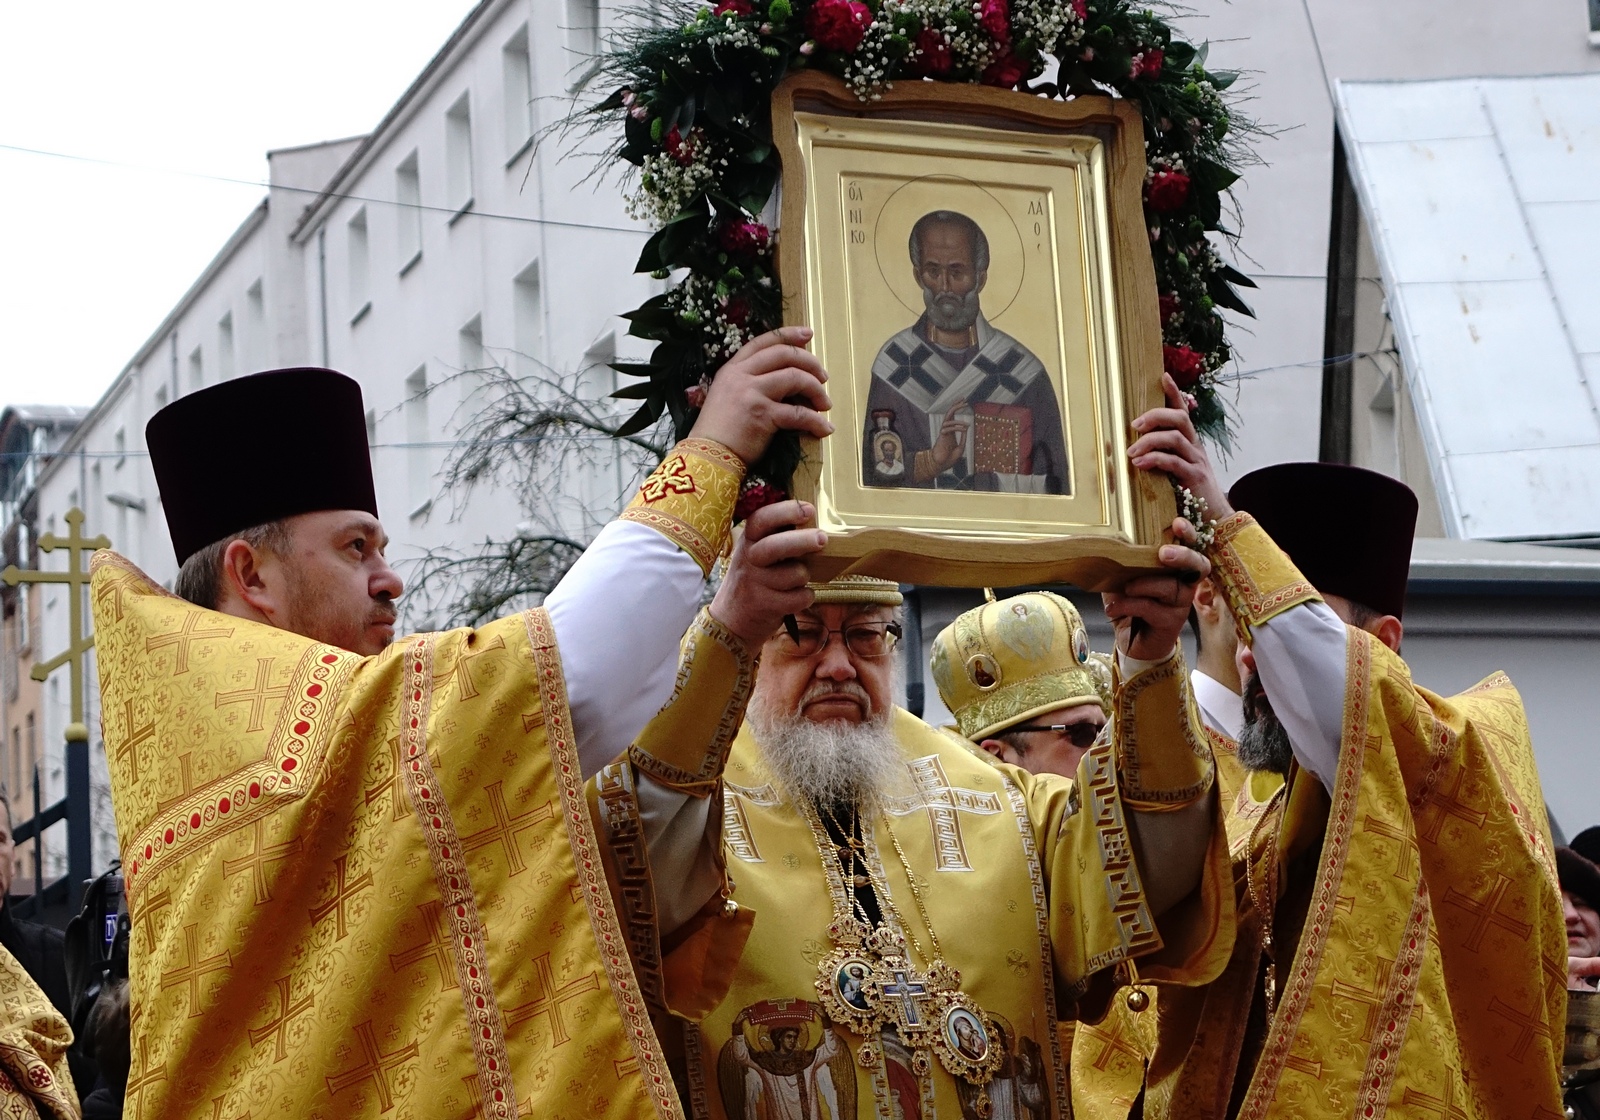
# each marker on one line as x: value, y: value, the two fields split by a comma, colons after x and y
x: 583, y: 32
x: 471, y: 360
x: 120, y: 439
x: 458, y: 154
x: 225, y: 351
x: 527, y: 310
x: 197, y: 370
x: 359, y: 266
x: 517, y: 69
x: 408, y: 214
x: 253, y: 344
x: 416, y: 410
x: 160, y: 398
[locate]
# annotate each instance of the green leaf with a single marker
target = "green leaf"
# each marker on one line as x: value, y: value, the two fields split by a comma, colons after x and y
x: 648, y: 414
x: 637, y: 392
x: 634, y: 369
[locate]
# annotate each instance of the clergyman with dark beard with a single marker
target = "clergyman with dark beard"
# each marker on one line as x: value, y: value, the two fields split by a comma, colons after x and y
x: 1401, y: 936
x: 971, y: 407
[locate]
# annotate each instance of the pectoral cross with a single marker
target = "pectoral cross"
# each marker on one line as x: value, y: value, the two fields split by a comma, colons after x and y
x: 75, y: 578
x: 908, y: 990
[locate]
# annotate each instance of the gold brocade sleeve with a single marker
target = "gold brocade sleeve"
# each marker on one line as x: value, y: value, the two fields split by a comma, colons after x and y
x: 1163, y: 751
x: 34, y: 1079
x: 690, y: 498
x: 686, y: 745
x: 684, y: 748
x: 1259, y: 580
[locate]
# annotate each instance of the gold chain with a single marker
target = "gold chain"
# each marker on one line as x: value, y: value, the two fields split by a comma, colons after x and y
x: 916, y: 894
x: 1266, y: 900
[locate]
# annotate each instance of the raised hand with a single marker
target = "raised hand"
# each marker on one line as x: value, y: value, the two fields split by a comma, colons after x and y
x: 1149, y: 612
x: 952, y: 438
x: 773, y: 383
x: 1167, y: 442
x: 766, y: 576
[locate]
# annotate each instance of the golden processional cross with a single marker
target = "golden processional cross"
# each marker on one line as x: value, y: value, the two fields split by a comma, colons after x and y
x: 74, y: 808
x: 78, y: 644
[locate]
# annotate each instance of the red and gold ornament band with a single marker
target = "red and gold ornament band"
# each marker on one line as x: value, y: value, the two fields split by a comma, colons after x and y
x: 690, y: 498
x: 1259, y: 580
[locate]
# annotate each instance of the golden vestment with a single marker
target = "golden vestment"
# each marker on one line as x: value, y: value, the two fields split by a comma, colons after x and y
x: 34, y: 1079
x: 1421, y: 951
x: 1029, y: 883
x: 366, y: 886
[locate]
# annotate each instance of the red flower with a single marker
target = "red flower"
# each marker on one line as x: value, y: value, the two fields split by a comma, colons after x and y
x: 1167, y: 191
x: 1184, y: 364
x: 736, y: 311
x: 1169, y: 306
x: 754, y: 495
x: 934, y: 58
x: 995, y: 18
x: 1148, y: 64
x: 1081, y: 7
x: 743, y: 239
x: 838, y: 25
x: 1005, y: 71
x: 679, y: 146
x: 737, y: 7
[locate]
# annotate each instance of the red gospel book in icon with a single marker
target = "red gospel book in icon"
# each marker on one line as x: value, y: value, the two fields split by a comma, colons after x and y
x: 1002, y: 438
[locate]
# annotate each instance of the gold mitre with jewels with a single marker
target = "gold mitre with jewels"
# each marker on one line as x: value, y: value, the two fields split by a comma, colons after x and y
x: 1005, y: 661
x: 867, y: 590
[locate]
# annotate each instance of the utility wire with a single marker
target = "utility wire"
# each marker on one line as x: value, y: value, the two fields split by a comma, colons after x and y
x: 507, y: 441
x: 316, y: 192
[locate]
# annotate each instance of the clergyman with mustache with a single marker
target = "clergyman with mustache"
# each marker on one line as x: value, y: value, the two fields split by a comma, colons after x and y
x: 972, y: 407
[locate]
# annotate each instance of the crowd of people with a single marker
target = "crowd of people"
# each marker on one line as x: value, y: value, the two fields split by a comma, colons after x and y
x: 625, y: 855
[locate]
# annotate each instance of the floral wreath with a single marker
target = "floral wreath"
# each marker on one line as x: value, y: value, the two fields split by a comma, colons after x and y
x: 693, y: 100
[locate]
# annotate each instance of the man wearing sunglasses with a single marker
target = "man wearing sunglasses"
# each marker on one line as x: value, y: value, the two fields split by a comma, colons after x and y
x: 1020, y: 686
x: 922, y: 917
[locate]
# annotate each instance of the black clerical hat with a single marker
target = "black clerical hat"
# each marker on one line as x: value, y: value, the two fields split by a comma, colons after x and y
x: 1587, y: 844
x: 1578, y: 877
x: 1348, y: 530
x: 257, y: 449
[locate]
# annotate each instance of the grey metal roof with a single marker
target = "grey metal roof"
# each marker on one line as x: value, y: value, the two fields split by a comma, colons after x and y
x: 1482, y: 196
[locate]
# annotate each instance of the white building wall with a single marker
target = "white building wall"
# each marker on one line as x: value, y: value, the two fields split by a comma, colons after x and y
x: 511, y: 251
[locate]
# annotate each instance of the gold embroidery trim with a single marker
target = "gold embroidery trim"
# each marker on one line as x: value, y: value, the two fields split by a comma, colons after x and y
x: 1177, y: 776
x: 635, y: 893
x: 1308, y: 958
x: 681, y: 748
x: 690, y: 497
x: 468, y: 944
x: 1258, y: 578
x: 592, y: 883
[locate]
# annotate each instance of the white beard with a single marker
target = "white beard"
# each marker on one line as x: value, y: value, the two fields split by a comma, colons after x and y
x: 831, y: 763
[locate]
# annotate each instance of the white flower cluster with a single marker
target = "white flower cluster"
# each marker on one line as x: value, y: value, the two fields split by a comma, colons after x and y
x: 1052, y: 24
x: 734, y: 33
x: 1193, y: 509
x: 697, y: 302
x: 666, y: 185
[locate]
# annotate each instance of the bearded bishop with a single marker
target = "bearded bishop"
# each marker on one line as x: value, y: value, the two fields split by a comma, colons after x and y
x: 922, y: 917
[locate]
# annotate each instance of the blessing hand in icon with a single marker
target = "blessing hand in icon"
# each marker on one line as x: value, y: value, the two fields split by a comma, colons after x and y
x: 952, y: 437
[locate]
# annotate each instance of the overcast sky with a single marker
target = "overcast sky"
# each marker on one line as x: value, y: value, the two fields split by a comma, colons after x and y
x: 92, y: 257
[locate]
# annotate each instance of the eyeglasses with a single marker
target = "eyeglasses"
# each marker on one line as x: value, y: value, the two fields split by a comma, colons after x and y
x: 1081, y: 735
x: 868, y: 640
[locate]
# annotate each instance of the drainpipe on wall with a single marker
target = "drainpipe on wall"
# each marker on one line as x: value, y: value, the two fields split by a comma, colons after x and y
x: 322, y: 287
x: 916, y: 690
